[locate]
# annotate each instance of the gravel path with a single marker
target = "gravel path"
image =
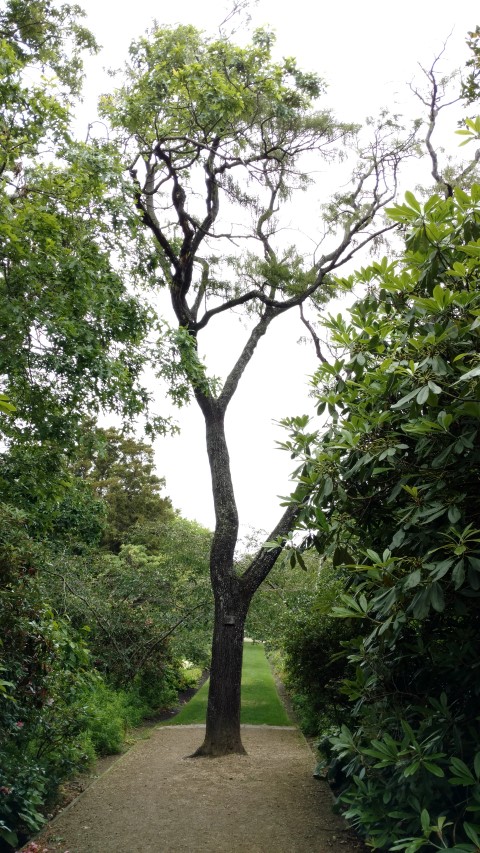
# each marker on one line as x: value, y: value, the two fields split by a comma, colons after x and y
x: 156, y: 800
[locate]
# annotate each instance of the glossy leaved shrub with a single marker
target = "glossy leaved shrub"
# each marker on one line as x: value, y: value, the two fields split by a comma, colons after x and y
x: 394, y: 494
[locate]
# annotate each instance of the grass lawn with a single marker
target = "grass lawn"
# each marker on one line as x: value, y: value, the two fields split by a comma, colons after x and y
x: 260, y: 702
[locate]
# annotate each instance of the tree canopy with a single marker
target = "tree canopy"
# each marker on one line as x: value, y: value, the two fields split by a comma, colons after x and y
x: 76, y: 330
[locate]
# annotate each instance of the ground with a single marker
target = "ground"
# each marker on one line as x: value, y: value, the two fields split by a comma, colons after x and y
x: 154, y: 799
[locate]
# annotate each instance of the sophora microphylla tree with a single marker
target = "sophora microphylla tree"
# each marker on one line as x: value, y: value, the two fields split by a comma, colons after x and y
x: 213, y: 135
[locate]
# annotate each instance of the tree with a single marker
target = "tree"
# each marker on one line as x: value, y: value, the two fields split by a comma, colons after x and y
x: 71, y: 333
x: 120, y: 471
x: 71, y: 342
x: 214, y: 134
x: 120, y: 560
x: 393, y: 493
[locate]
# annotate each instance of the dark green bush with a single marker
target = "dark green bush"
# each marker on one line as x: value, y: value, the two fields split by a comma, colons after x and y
x: 395, y: 484
x: 44, y: 671
x: 312, y: 642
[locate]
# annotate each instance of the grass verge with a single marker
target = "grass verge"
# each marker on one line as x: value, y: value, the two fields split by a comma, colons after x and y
x: 260, y: 701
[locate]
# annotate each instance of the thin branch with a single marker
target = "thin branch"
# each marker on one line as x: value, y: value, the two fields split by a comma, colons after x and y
x: 231, y: 383
x: 152, y: 223
x: 314, y: 336
x: 159, y: 640
x: 434, y: 106
x: 264, y: 560
x: 105, y: 629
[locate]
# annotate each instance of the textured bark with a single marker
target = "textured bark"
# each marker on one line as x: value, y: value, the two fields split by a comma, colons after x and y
x: 223, y: 713
x: 232, y: 592
x: 222, y: 736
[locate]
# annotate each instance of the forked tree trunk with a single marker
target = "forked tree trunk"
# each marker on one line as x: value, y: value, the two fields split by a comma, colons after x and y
x: 232, y: 592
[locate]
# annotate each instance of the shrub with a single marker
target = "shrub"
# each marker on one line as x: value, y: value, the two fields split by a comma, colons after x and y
x: 44, y: 669
x: 312, y: 642
x: 394, y: 481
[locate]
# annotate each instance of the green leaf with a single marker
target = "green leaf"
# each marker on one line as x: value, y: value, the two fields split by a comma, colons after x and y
x: 444, y: 419
x: 434, y: 769
x: 470, y: 374
x: 425, y: 820
x: 454, y: 513
x: 412, y: 201
x: 437, y: 598
x: 458, y: 574
x: 301, y: 562
x: 423, y: 395
x: 412, y: 769
x: 327, y: 486
x: 405, y: 399
x: 472, y: 833
x: 5, y: 405
x: 462, y: 773
x: 412, y: 580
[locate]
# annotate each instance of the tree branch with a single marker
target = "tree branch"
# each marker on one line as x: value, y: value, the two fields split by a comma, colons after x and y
x: 265, y: 559
x: 236, y: 373
x: 152, y: 223
x: 314, y: 336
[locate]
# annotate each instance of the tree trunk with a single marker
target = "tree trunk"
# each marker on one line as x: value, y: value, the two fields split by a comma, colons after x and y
x: 222, y: 736
x: 232, y: 593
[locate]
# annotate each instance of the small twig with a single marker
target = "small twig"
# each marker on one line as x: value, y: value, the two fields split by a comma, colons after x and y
x: 315, y: 338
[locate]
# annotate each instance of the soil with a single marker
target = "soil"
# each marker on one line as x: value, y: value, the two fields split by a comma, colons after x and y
x: 155, y: 799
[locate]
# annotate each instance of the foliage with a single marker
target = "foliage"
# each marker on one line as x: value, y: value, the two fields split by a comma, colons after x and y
x: 37, y: 479
x: 311, y: 641
x: 43, y: 669
x: 133, y: 603
x: 73, y: 342
x: 58, y: 212
x: 394, y: 496
x: 119, y: 470
x: 37, y: 33
x: 58, y: 586
x: 110, y: 714
x: 291, y: 614
x: 471, y: 84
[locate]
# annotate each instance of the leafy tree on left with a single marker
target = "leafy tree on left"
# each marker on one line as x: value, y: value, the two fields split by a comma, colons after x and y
x: 70, y: 332
x: 70, y: 335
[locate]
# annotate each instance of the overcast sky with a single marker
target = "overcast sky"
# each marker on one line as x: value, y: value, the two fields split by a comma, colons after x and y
x: 368, y: 53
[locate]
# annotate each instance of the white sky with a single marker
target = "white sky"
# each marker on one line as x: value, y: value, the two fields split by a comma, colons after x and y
x: 368, y: 53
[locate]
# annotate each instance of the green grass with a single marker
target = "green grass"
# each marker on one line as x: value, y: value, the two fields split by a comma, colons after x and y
x: 260, y: 701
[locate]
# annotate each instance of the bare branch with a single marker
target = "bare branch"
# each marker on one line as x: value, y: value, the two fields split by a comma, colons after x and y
x: 265, y: 559
x: 236, y: 373
x: 314, y: 336
x: 434, y: 104
x: 159, y: 640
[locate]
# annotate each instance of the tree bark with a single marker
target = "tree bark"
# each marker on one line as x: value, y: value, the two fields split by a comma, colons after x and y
x: 232, y: 592
x: 231, y: 604
x: 222, y: 736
